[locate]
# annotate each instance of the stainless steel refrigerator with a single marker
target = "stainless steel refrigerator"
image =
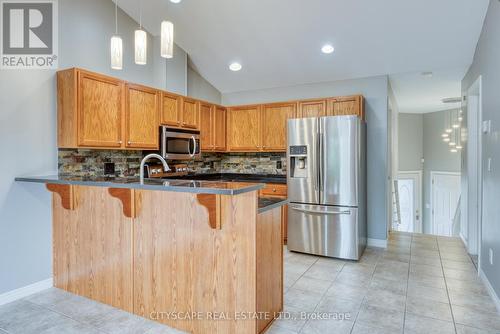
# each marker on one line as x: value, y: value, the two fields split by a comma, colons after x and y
x: 327, y: 186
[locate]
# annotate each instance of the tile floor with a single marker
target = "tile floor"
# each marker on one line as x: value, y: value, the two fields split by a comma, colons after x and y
x: 419, y: 284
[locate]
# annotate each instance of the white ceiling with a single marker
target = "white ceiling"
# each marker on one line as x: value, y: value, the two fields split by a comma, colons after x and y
x: 278, y: 42
x: 419, y: 94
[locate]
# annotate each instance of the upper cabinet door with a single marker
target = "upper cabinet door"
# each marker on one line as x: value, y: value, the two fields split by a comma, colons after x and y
x: 243, y: 133
x: 100, y: 106
x: 207, y: 126
x: 220, y: 128
x: 171, y: 109
x: 350, y: 105
x: 190, y: 113
x: 274, y: 123
x: 312, y: 108
x: 141, y: 117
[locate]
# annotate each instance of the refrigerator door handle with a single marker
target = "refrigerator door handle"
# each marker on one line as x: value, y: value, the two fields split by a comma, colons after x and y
x: 317, y: 184
x: 344, y: 212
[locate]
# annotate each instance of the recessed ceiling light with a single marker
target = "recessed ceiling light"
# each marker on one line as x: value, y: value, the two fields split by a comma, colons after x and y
x: 327, y: 48
x: 235, y: 67
x: 175, y: 1
x: 427, y: 74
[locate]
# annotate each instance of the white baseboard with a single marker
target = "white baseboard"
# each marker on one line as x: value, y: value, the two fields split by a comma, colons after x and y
x: 490, y: 289
x: 380, y: 243
x: 25, y: 291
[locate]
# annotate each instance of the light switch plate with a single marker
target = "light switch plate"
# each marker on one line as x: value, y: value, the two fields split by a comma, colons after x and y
x: 487, y: 126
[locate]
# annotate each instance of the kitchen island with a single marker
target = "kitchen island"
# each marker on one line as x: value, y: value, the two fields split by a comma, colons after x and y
x: 200, y: 256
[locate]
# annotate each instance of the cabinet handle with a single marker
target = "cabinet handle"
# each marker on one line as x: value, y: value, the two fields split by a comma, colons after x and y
x: 129, y: 142
x: 274, y: 190
x: 119, y: 142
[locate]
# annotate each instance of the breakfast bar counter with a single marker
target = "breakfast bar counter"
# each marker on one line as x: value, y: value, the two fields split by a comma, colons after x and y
x: 200, y: 256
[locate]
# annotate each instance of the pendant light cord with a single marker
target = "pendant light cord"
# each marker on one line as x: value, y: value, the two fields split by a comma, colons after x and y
x: 140, y: 14
x: 116, y: 17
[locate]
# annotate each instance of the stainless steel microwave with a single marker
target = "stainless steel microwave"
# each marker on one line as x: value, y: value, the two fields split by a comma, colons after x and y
x: 179, y: 144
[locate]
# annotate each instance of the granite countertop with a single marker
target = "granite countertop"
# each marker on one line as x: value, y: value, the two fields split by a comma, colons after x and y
x: 269, y: 203
x: 191, y: 186
x: 236, y: 177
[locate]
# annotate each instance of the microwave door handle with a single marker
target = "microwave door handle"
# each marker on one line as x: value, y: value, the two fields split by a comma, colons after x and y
x: 194, y: 147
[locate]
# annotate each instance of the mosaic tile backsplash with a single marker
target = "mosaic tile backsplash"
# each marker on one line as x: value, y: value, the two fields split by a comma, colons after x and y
x: 80, y: 162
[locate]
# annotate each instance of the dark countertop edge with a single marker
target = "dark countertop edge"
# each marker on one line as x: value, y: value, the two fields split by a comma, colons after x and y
x: 215, y: 191
x: 238, y: 177
x: 274, y: 205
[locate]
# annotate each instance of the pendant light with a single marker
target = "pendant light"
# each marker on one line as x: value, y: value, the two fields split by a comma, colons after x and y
x: 448, y: 123
x: 459, y: 140
x: 116, y: 45
x: 141, y: 42
x: 167, y: 39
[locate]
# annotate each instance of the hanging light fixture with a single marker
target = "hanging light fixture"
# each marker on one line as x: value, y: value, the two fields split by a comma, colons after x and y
x: 456, y: 123
x: 448, y: 123
x: 444, y: 135
x: 167, y: 39
x: 141, y: 42
x: 459, y: 139
x: 116, y: 45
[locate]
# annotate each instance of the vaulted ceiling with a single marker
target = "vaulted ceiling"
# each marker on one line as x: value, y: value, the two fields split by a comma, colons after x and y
x: 278, y: 42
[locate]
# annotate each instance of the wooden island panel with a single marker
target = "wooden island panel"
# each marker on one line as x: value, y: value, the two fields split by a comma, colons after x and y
x: 92, y: 258
x: 183, y: 265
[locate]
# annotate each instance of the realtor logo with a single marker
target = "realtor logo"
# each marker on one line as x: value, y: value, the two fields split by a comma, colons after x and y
x: 29, y: 34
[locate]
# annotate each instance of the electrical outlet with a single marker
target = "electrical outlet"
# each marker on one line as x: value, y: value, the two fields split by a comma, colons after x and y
x: 491, y: 256
x: 109, y: 168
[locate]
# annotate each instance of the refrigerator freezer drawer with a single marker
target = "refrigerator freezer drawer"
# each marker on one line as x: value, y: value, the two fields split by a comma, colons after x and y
x: 324, y: 230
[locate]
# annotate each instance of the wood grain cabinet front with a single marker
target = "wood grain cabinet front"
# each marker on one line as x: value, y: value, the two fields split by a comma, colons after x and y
x: 243, y: 132
x: 219, y: 128
x: 348, y: 105
x: 311, y: 108
x: 100, y: 110
x: 274, y: 124
x: 141, y: 117
x: 190, y: 113
x: 212, y: 127
x: 171, y: 109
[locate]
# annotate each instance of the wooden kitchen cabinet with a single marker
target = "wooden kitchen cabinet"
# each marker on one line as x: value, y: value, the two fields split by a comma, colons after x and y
x: 90, y: 110
x: 349, y: 105
x: 207, y: 127
x: 274, y: 125
x: 141, y: 117
x: 212, y: 127
x: 220, y: 128
x: 190, y: 113
x: 97, y: 111
x: 171, y: 109
x: 278, y: 190
x: 311, y: 108
x: 243, y: 129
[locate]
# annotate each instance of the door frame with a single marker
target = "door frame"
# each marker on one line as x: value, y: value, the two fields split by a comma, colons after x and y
x: 432, y: 174
x: 419, y: 228
x: 474, y: 227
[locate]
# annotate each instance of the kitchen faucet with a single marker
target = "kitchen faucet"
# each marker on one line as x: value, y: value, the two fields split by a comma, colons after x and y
x: 146, y: 158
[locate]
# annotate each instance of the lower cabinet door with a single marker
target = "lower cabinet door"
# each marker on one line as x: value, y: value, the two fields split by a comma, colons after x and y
x: 324, y: 230
x: 269, y: 266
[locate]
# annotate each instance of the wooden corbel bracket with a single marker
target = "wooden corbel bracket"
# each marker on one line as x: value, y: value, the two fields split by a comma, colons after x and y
x: 127, y: 197
x: 212, y: 203
x: 65, y: 191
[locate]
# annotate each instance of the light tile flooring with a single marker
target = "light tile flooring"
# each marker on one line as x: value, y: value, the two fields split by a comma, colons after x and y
x: 419, y: 284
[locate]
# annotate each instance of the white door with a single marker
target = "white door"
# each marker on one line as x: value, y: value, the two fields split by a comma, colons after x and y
x: 409, y: 202
x: 445, y: 195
